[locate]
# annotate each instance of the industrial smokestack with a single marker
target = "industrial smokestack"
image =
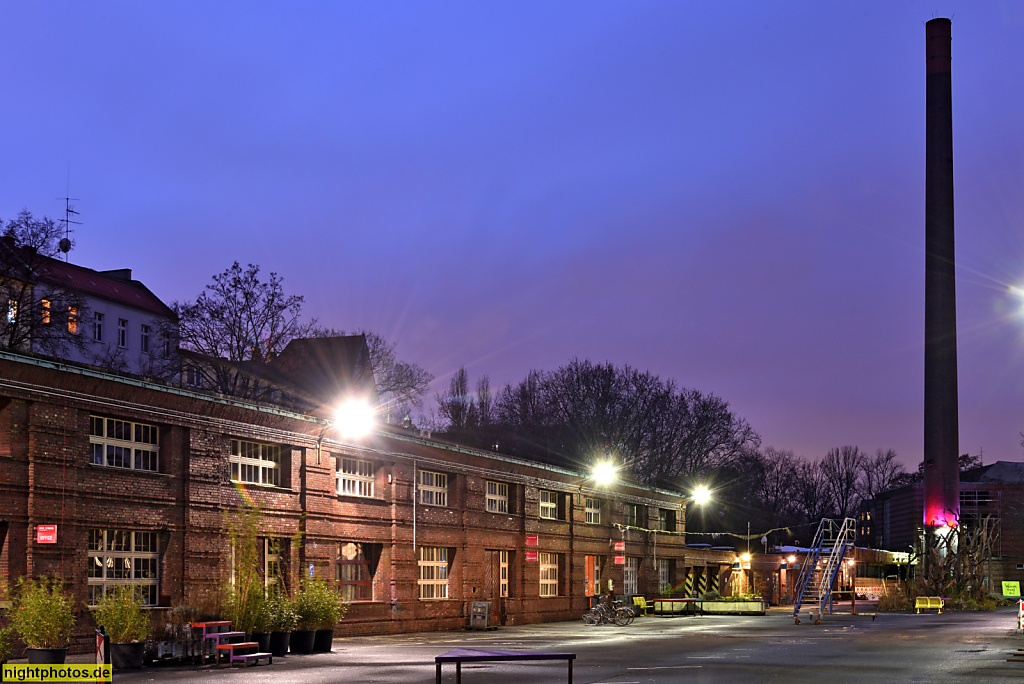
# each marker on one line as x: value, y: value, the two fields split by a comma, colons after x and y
x: 941, y: 418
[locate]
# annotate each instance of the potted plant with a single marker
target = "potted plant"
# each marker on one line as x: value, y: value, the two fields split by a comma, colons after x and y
x: 5, y: 645
x: 263, y: 624
x: 281, y: 622
x: 43, y: 618
x: 306, y: 618
x: 325, y: 609
x: 122, y: 616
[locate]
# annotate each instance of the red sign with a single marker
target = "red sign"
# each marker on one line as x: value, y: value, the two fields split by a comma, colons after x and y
x: 46, y: 534
x: 620, y: 560
x: 531, y: 556
x: 620, y: 546
x: 531, y: 540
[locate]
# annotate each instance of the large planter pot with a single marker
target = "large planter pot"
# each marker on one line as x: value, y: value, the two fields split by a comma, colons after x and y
x: 46, y: 656
x: 734, y: 607
x: 279, y: 642
x: 323, y: 641
x: 127, y: 656
x: 302, y: 640
x: 263, y: 639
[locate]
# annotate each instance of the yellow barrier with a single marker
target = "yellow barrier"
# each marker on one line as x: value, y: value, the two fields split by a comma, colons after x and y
x: 928, y: 603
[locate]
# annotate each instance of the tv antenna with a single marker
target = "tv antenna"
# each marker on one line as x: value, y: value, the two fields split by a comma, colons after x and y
x: 65, y: 243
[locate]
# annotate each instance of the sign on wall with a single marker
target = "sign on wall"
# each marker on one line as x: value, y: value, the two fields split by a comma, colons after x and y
x: 46, y: 534
x: 531, y: 556
x: 531, y: 540
x: 620, y: 560
x: 620, y: 546
x: 1011, y: 589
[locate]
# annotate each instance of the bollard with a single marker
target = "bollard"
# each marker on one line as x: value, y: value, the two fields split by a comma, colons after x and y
x: 1020, y: 616
x: 102, y: 649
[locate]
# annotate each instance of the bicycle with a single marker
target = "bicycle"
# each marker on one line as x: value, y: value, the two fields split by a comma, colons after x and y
x: 603, y: 614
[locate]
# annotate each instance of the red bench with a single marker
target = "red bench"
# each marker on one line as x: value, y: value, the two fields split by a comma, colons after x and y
x: 244, y: 658
x: 216, y: 632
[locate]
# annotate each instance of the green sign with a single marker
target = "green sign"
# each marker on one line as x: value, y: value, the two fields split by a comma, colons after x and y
x: 1011, y: 588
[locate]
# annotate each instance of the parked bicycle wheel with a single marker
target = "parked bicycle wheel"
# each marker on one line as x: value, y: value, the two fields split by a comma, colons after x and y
x: 623, y: 616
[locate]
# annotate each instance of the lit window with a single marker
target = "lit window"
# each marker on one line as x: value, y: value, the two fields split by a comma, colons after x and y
x: 503, y: 568
x: 548, y: 574
x: 97, y: 326
x: 45, y: 304
x: 497, y: 497
x: 255, y: 462
x: 433, y: 488
x: 433, y: 578
x: 355, y: 477
x: 123, y: 444
x: 593, y: 507
x: 122, y: 333
x: 144, y: 339
x: 271, y: 562
x: 122, y: 557
x: 12, y: 310
x: 548, y: 504
x: 73, y: 320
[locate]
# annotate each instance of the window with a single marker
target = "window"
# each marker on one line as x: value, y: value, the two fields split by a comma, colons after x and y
x: 354, y: 571
x: 433, y: 488
x: 97, y: 326
x: 123, y: 444
x: 255, y: 462
x: 503, y: 569
x: 548, y: 504
x: 12, y: 310
x: 666, y: 520
x: 193, y: 376
x: 355, y: 477
x: 593, y: 507
x: 144, y: 339
x: 633, y: 515
x: 433, y: 581
x: 548, y: 574
x: 122, y: 333
x: 73, y: 320
x: 271, y: 562
x: 664, y: 574
x: 122, y: 557
x: 631, y: 575
x: 45, y: 311
x: 497, y: 497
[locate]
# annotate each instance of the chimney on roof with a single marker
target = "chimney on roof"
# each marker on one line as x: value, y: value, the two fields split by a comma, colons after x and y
x: 124, y: 274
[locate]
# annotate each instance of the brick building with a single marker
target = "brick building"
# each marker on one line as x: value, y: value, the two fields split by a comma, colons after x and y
x: 141, y: 480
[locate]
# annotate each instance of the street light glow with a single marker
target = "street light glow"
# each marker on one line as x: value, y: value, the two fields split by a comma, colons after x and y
x: 701, y: 495
x: 354, y: 419
x: 604, y: 473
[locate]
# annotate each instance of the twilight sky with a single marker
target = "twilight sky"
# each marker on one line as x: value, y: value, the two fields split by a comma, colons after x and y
x: 730, y: 194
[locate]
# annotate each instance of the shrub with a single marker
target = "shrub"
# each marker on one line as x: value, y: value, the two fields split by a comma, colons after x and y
x: 121, y: 614
x: 5, y: 645
x: 318, y: 605
x: 42, y: 613
x: 281, y: 615
x: 712, y: 596
x: 895, y: 601
x: 245, y: 610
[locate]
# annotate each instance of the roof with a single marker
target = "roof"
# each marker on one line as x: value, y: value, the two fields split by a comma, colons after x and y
x: 1001, y: 472
x: 327, y: 367
x: 119, y: 289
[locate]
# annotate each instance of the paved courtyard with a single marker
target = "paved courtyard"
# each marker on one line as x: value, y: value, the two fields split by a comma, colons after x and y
x: 953, y: 647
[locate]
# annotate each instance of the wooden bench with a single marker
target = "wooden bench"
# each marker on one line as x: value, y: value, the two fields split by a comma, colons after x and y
x: 244, y: 658
x: 928, y: 603
x: 472, y: 655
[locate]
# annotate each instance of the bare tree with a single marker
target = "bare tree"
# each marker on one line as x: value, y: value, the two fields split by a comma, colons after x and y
x: 772, y: 480
x: 813, y: 493
x: 842, y: 469
x: 38, y: 314
x: 881, y: 473
x: 455, y: 404
x: 240, y: 318
x: 484, y: 402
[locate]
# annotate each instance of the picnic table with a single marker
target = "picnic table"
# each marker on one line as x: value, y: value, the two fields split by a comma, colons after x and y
x: 473, y: 655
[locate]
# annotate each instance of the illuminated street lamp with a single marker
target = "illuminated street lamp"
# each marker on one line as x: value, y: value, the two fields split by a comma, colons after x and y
x: 701, y: 495
x: 354, y: 419
x: 604, y: 473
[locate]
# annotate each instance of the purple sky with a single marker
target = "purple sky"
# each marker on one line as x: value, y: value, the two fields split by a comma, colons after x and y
x: 728, y: 194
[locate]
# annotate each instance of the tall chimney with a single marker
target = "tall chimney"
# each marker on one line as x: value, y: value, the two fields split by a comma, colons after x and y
x: 941, y: 419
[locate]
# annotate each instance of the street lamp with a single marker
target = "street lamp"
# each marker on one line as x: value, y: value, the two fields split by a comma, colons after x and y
x: 701, y: 495
x: 354, y: 418
x: 604, y: 473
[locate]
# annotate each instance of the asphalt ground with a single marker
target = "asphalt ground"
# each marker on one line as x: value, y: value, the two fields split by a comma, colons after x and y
x: 895, y: 647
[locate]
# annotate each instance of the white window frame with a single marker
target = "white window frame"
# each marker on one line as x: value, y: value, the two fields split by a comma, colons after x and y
x: 548, y: 574
x: 97, y: 326
x: 144, y: 338
x: 255, y: 462
x: 433, y: 488
x: 593, y: 509
x: 123, y: 558
x: 108, y: 450
x: 664, y: 573
x: 193, y: 377
x: 497, y: 497
x: 631, y: 575
x: 122, y: 333
x: 355, y: 477
x: 433, y: 572
x: 271, y: 562
x: 548, y: 504
x: 503, y: 573
x: 664, y: 514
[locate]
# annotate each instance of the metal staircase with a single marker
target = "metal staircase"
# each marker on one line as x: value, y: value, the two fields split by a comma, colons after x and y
x: 821, y: 566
